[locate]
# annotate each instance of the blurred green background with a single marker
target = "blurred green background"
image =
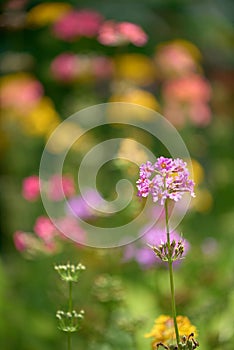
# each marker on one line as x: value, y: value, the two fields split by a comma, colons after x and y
x: 30, y: 290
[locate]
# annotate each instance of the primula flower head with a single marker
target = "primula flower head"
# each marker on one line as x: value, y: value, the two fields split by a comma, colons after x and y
x: 163, y: 329
x: 167, y: 178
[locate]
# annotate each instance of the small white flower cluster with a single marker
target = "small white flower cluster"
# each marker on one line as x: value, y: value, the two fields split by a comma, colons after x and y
x: 69, y: 321
x: 70, y: 273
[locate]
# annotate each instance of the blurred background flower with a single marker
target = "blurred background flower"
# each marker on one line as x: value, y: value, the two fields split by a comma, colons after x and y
x: 47, y: 13
x: 56, y: 58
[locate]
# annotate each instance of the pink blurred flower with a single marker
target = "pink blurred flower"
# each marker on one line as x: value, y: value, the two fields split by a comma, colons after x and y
x: 75, y: 24
x: 102, y: 67
x: 69, y: 67
x: 27, y: 243
x: 60, y: 187
x: 65, y: 67
x: 20, y: 92
x: 31, y: 188
x: 82, y: 206
x: 174, y: 59
x: 45, y: 229
x: 69, y: 228
x: 187, y: 97
x: 20, y: 240
x: 113, y: 34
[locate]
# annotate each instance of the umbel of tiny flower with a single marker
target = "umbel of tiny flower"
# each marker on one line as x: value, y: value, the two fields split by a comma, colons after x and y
x: 69, y: 321
x: 70, y: 272
x: 167, y: 178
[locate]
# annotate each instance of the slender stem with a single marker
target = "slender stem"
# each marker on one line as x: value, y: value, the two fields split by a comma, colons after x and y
x: 172, y: 286
x: 68, y: 340
x: 70, y: 310
x: 70, y: 297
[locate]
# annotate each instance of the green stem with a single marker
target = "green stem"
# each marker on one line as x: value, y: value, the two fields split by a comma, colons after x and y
x: 70, y: 310
x: 172, y: 286
x: 68, y: 340
x: 70, y: 297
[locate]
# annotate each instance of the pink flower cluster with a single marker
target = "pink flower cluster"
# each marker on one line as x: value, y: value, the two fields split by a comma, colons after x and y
x: 47, y: 233
x: 47, y: 237
x: 20, y: 92
x: 166, y: 179
x: 185, y: 97
x: 76, y: 24
x: 31, y: 188
x: 114, y: 34
x: 60, y: 186
x: 186, y: 93
x: 55, y: 192
x: 174, y: 59
x: 44, y: 240
x: 87, y: 23
x: 68, y: 67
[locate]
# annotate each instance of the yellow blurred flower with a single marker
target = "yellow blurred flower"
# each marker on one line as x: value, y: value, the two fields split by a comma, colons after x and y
x: 133, y: 151
x: 163, y: 329
x: 47, y: 13
x: 203, y: 200
x: 130, y: 107
x: 42, y: 119
x: 135, y: 68
x: 196, y: 169
x: 137, y: 96
x: 71, y: 131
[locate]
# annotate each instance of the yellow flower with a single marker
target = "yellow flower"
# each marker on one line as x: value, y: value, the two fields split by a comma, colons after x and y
x: 135, y: 68
x: 163, y: 329
x: 42, y: 119
x: 136, y: 96
x: 47, y: 13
